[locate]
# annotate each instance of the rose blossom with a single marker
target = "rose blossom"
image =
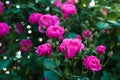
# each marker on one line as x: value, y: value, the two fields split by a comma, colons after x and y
x: 57, y: 3
x: 1, y: 7
x: 25, y: 45
x: 100, y: 49
x: 47, y: 20
x: 79, y: 37
x: 4, y: 29
x: 71, y: 47
x: 87, y: 33
x: 44, y: 49
x: 68, y: 9
x: 71, y: 1
x: 55, y: 31
x: 92, y: 63
x: 34, y: 18
x: 104, y: 11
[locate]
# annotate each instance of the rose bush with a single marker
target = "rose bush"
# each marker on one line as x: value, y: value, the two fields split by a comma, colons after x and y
x: 59, y: 40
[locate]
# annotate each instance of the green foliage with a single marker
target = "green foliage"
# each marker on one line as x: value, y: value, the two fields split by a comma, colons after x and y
x: 50, y: 63
x: 4, y: 64
x: 102, y: 25
x: 52, y: 74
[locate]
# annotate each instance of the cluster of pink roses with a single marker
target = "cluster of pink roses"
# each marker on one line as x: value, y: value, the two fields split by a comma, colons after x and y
x: 70, y: 47
x: 51, y: 26
x: 48, y: 23
x: 68, y: 7
x: 92, y: 62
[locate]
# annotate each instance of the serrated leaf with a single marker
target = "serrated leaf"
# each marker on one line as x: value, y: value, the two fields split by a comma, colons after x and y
x: 50, y: 63
x: 50, y: 75
x: 56, y: 72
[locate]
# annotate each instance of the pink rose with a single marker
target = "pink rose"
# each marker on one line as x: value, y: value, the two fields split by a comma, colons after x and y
x: 104, y: 11
x: 100, y: 49
x: 57, y: 3
x: 70, y: 2
x: 68, y: 9
x: 44, y: 49
x: 87, y: 33
x: 55, y: 31
x: 47, y: 20
x: 25, y: 45
x: 34, y: 18
x: 70, y: 47
x: 4, y: 29
x: 78, y: 37
x: 92, y: 63
x: 1, y: 7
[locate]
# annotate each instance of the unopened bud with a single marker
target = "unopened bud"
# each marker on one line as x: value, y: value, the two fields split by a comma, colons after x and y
x: 66, y: 30
x: 53, y: 45
x: 110, y: 54
x: 103, y: 11
x: 92, y: 46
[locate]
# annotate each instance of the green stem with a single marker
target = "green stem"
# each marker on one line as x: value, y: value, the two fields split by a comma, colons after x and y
x: 93, y: 76
x: 74, y: 67
x: 58, y: 68
x: 106, y: 62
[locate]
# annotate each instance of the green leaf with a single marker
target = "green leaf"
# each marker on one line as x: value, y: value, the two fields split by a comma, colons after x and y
x: 84, y: 78
x: 56, y: 10
x: 78, y: 78
x: 50, y: 63
x: 70, y: 35
x: 4, y: 64
x: 52, y: 75
x: 105, y: 76
x: 3, y: 76
x: 114, y: 23
x: 47, y: 2
x: 14, y: 10
x: 56, y: 72
x: 102, y: 25
x: 32, y: 6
